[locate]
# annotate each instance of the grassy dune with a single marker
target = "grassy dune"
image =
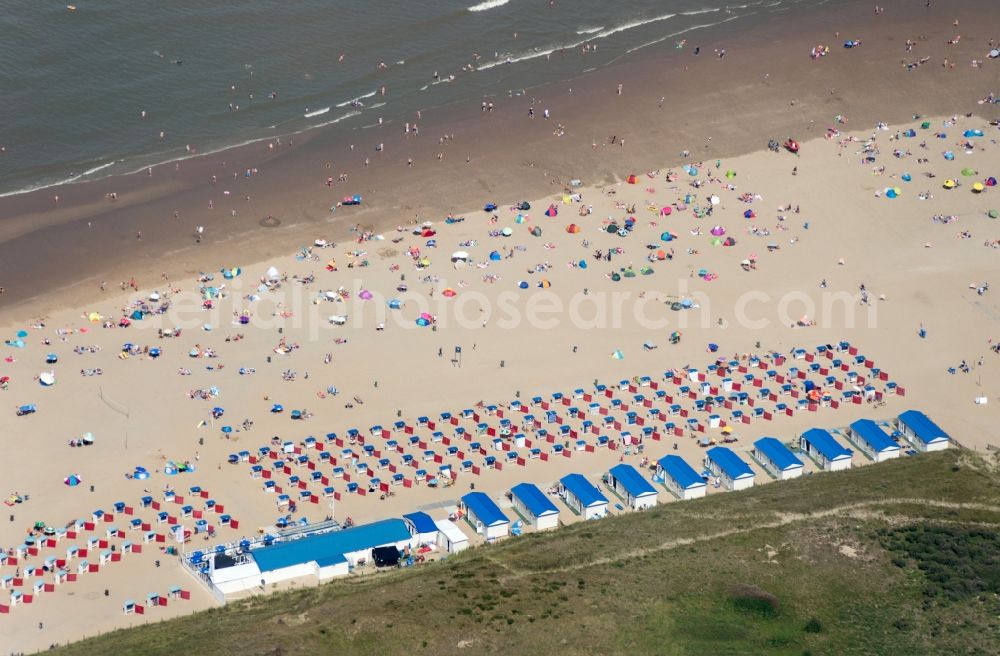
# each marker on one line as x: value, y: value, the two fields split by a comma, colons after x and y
x: 899, y: 558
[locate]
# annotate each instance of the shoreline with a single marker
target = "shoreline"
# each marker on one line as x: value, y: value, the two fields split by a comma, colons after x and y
x: 291, y: 183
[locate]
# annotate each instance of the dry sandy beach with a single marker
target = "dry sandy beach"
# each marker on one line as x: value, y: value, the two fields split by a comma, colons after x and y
x: 831, y: 257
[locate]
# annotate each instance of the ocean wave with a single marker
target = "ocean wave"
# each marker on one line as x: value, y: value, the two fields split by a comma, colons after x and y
x: 489, y: 4
x: 352, y: 100
x: 589, y: 30
x: 695, y: 12
x: 76, y: 177
x: 336, y: 120
x: 680, y: 32
x: 603, y: 33
x: 318, y: 112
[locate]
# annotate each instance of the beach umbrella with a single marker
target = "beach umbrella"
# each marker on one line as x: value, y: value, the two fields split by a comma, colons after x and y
x: 72, y: 480
x: 423, y: 322
x: 617, y: 355
x: 718, y: 231
x: 716, y: 242
x: 544, y: 284
x: 154, y: 353
x: 459, y: 255
x: 972, y: 133
x: 646, y: 270
x: 449, y: 293
x: 51, y: 358
x: 425, y: 261
x: 427, y: 316
x: 680, y: 207
x: 94, y: 317
x: 948, y: 155
x: 365, y: 295
x: 907, y: 177
x: 394, y: 304
x: 629, y: 273
x: 665, y: 211
x: 495, y: 256
x: 729, y: 241
x: 612, y: 229
x: 714, y: 200
x: 660, y: 255
x: 615, y: 277
x: 994, y: 53
x: 47, y: 379
x: 730, y: 174
x: 632, y: 179
x: 490, y: 207
x: 506, y: 232
x: 520, y: 218
x: 666, y: 236
x: 536, y: 231
x: 993, y: 214
x: 572, y: 228
x: 22, y: 333
x: 552, y: 211
x: 949, y: 184
x: 749, y: 214
x: 582, y: 264
x: 978, y: 187
x: 925, y: 125
x: 272, y: 273
x: 968, y: 172
x: 227, y: 429
x: 523, y: 284
x: 692, y: 171
x: 991, y: 181
x: 890, y: 192
x: 277, y: 407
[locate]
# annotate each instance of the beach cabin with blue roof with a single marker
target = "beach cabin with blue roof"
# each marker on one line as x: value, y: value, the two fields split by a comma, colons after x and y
x: 828, y: 453
x: 628, y: 483
x: 320, y: 555
x: 729, y: 468
x: 680, y: 478
x: 485, y: 516
x: 923, y: 433
x: 777, y: 459
x: 536, y: 508
x: 872, y: 440
x: 583, y: 497
x: 422, y: 527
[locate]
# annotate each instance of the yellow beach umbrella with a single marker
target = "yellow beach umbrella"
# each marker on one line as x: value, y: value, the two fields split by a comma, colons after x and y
x: 949, y: 184
x: 978, y: 187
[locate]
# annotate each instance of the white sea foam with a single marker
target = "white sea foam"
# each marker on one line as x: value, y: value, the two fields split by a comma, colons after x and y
x: 589, y: 30
x: 76, y: 177
x: 603, y: 33
x: 489, y: 4
x: 338, y: 119
x: 348, y: 102
x: 318, y: 112
x: 680, y: 32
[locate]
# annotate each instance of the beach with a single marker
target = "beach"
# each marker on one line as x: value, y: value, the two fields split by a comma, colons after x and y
x: 635, y: 201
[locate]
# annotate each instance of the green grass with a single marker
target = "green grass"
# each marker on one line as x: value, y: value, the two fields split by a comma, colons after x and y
x: 826, y: 564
